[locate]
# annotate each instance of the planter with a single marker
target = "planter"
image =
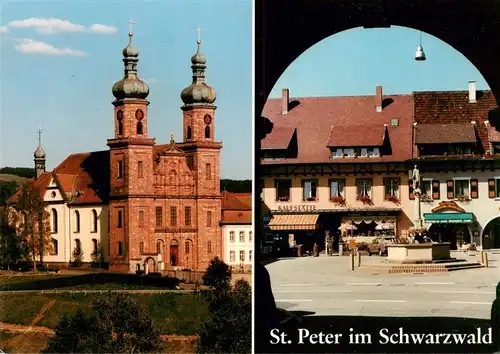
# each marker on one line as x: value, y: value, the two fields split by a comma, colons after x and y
x: 365, y: 200
x: 339, y: 201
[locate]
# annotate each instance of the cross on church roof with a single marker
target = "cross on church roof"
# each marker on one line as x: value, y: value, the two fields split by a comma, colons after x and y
x: 130, y: 23
x: 39, y: 132
x: 199, y: 30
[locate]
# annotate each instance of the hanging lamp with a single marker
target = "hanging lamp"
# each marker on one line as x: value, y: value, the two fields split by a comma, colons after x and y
x: 420, y: 55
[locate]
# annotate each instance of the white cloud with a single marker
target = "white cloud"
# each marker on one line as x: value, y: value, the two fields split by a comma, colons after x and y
x: 4, y: 29
x: 47, y: 25
x: 31, y: 46
x: 103, y: 29
x: 153, y: 80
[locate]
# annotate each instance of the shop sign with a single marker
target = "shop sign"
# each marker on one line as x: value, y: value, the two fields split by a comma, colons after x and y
x: 296, y: 207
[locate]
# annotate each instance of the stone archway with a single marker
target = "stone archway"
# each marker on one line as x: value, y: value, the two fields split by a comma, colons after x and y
x: 149, y: 265
x: 490, y: 236
x: 285, y: 29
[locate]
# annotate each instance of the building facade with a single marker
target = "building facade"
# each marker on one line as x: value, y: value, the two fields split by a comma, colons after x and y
x: 336, y: 164
x: 237, y: 232
x: 152, y: 207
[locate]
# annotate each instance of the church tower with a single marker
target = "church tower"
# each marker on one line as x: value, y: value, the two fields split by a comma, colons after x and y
x: 39, y: 156
x: 131, y: 165
x: 203, y: 156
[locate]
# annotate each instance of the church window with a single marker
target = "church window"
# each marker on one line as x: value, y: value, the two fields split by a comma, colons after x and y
x: 78, y: 244
x: 119, y: 221
x: 141, y: 218
x: 208, y: 171
x: 187, y: 247
x: 188, y: 133
x: 54, y: 248
x: 242, y: 256
x: 207, y: 132
x: 232, y: 256
x: 94, y: 220
x: 159, y: 216
x: 141, y: 247
x: 209, y: 246
x: 187, y: 216
x: 139, y: 128
x: 209, y: 218
x: 120, y: 248
x: 173, y: 216
x: 94, y: 246
x: 140, y: 170
x: 54, y: 221
x: 119, y: 117
x: 190, y: 161
x: 120, y: 170
x: 77, y: 221
x: 158, y: 247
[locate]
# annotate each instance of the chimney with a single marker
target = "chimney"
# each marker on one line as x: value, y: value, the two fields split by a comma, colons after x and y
x: 284, y: 101
x: 378, y: 99
x: 472, y: 92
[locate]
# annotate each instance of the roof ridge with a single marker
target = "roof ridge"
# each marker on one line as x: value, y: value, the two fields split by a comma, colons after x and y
x: 347, y: 96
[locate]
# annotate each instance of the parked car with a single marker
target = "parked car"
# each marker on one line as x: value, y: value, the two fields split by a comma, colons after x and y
x: 379, y: 245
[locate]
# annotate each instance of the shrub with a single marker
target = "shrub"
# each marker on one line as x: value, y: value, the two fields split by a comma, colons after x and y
x: 217, y: 275
x: 139, y: 272
x: 154, y: 274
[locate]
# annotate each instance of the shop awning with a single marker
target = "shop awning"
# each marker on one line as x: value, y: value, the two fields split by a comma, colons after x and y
x: 448, y: 218
x: 294, y: 222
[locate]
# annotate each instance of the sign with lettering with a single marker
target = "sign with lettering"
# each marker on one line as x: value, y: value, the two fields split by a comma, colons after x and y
x: 296, y: 207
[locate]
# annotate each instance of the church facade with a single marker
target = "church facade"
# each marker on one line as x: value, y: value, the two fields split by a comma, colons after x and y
x: 150, y: 206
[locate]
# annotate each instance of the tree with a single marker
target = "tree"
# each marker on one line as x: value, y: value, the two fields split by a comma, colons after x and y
x: 116, y: 323
x: 217, y: 275
x: 229, y: 329
x: 7, y: 189
x: 77, y: 255
x: 32, y: 223
x: 98, y: 255
x: 11, y: 249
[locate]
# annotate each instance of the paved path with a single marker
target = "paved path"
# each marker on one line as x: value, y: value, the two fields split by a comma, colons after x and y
x: 327, y: 286
x: 83, y: 291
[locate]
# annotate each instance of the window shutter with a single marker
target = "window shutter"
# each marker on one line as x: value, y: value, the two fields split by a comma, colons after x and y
x: 491, y: 188
x: 435, y: 190
x: 474, y: 194
x: 410, y: 184
x: 449, y: 190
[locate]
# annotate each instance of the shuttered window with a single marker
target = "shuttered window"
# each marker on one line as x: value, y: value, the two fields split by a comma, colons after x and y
x: 435, y: 190
x: 450, y: 194
x: 491, y: 188
x: 474, y: 192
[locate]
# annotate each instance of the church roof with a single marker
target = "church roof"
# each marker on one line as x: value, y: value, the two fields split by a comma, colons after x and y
x: 236, y: 208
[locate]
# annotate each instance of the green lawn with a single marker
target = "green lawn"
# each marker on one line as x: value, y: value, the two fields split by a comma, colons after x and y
x: 172, y: 313
x: 16, y: 279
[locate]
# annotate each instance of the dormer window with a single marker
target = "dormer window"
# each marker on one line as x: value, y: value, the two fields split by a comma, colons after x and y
x: 337, y: 153
x: 355, y: 152
x: 373, y: 152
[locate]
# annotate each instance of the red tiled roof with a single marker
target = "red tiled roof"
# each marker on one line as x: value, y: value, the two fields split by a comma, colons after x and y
x: 236, y: 208
x: 445, y: 133
x: 353, y: 136
x: 279, y: 138
x: 41, y: 184
x: 453, y: 107
x: 313, y: 118
x: 493, y: 134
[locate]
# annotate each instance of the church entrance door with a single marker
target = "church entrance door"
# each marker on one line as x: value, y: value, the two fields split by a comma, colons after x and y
x: 174, y: 255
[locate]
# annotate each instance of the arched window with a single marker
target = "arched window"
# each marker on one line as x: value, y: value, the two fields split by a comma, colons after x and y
x: 187, y: 247
x: 78, y: 244
x: 139, y: 128
x: 120, y: 248
x: 119, y: 118
x: 158, y: 247
x: 54, y: 220
x: 137, y: 267
x: 188, y: 133
x: 94, y: 220
x: 77, y: 221
x: 209, y: 246
x: 141, y: 247
x: 54, y: 248
x: 94, y: 246
x: 207, y: 132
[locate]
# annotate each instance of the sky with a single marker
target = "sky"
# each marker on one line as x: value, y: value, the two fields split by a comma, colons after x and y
x: 354, y: 62
x: 60, y: 60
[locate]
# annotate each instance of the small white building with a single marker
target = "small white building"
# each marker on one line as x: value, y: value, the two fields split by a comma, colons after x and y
x: 236, y: 223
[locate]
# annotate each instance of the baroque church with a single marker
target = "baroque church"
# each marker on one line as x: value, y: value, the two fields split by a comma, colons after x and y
x: 150, y: 207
